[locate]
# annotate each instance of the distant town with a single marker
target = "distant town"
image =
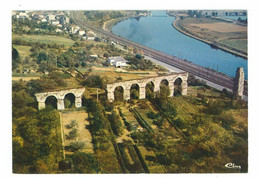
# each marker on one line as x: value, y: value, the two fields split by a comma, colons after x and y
x: 59, y: 20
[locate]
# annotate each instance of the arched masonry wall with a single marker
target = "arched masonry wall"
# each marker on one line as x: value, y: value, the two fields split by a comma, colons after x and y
x: 126, y: 85
x: 60, y: 95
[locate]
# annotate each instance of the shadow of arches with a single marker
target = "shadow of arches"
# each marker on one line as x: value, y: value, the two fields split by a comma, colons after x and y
x: 134, y: 91
x: 177, y: 87
x: 164, y: 88
x: 51, y: 102
x: 149, y: 90
x: 69, y: 100
x: 119, y: 93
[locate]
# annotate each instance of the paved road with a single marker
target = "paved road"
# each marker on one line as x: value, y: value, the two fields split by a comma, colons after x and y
x: 199, y: 71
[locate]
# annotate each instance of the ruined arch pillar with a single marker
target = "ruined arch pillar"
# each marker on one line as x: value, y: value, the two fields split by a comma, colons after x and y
x: 78, y: 102
x: 127, y: 93
x: 157, y: 86
x: 41, y: 105
x: 184, y: 87
x: 142, y: 92
x: 110, y: 96
x: 171, y: 88
x: 60, y: 104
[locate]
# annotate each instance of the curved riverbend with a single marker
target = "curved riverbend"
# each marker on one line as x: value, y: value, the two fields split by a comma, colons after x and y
x: 157, y: 33
x: 174, y: 24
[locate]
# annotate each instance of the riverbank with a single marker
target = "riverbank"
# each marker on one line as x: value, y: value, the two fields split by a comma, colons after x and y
x: 176, y: 25
x: 108, y: 25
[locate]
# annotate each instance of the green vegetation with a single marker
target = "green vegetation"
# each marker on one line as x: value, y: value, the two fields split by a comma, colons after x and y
x: 83, y: 163
x: 47, y: 39
x: 98, y: 18
x: 36, y: 134
x: 102, y: 138
x: 116, y: 124
x: 240, y: 44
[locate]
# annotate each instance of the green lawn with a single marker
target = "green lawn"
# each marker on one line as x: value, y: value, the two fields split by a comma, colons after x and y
x: 148, y: 157
x: 46, y: 39
x: 240, y: 44
x: 144, y: 113
x: 23, y: 50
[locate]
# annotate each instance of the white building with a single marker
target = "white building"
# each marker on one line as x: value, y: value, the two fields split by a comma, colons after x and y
x: 91, y: 35
x: 74, y: 29
x: 50, y: 17
x: 43, y: 20
x: 94, y: 56
x: 117, y: 61
x: 58, y: 30
x: 22, y: 15
x: 81, y: 32
x: 55, y: 22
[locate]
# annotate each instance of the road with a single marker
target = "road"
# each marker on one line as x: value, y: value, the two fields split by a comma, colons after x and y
x: 194, y: 69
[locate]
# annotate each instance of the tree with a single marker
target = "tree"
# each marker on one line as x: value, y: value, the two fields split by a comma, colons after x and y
x: 116, y: 123
x: 84, y: 163
x: 94, y: 81
x: 15, y: 58
x: 164, y: 92
x: 134, y: 93
x: 42, y: 56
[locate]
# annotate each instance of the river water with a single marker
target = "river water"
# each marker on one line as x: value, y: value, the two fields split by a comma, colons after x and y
x: 157, y: 32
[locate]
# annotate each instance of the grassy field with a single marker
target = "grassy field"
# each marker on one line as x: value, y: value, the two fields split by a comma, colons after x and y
x: 240, y: 44
x: 223, y: 34
x: 49, y: 39
x: 148, y: 156
x: 23, y: 50
x: 143, y: 113
x: 84, y: 134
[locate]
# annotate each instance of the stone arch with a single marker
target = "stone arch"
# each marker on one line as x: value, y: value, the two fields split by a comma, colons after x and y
x: 119, y: 93
x: 69, y: 100
x: 135, y: 91
x: 51, y: 102
x: 126, y: 85
x: 60, y: 95
x: 178, y: 81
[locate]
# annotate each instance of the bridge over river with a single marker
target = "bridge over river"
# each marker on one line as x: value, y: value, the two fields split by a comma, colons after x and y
x: 194, y: 69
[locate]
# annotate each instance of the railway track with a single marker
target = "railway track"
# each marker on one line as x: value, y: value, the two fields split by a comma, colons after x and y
x: 202, y: 72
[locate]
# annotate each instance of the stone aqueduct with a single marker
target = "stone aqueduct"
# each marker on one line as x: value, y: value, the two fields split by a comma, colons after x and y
x: 126, y: 85
x: 60, y: 96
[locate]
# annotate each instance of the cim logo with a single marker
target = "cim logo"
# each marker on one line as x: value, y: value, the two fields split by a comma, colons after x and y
x: 232, y: 166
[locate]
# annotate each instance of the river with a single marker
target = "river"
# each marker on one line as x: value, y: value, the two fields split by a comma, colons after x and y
x: 157, y: 32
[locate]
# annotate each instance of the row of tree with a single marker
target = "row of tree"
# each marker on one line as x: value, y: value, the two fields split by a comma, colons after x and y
x: 36, y: 135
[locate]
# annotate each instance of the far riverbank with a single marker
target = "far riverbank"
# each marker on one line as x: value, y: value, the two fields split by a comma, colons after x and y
x: 177, y: 27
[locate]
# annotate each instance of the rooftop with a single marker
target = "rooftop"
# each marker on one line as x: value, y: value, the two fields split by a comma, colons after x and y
x: 117, y: 58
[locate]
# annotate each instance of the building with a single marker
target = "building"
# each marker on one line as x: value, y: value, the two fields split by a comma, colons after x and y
x: 81, y: 32
x: 64, y: 20
x: 43, y: 20
x: 22, y: 15
x: 90, y: 35
x: 94, y: 56
x: 50, y: 17
x: 55, y: 22
x: 117, y: 61
x: 74, y: 29
x: 58, y: 30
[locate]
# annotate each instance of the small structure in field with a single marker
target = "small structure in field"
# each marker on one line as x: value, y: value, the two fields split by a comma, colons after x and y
x: 117, y: 61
